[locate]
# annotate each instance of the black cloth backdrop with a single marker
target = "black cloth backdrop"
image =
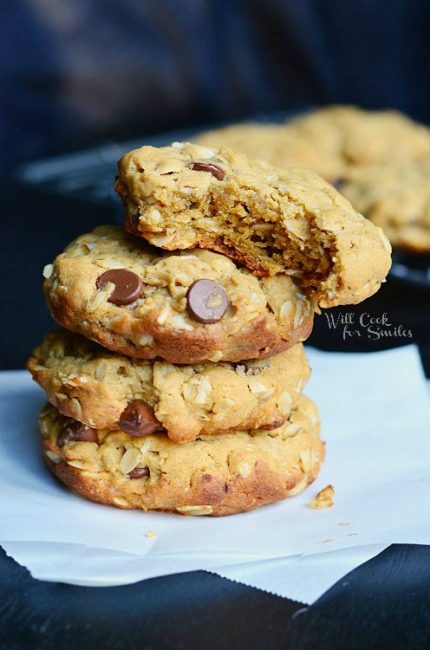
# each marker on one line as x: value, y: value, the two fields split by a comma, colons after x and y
x: 74, y: 72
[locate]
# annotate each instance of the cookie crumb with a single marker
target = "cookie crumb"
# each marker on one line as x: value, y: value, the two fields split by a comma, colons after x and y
x: 324, y: 499
x: 151, y: 534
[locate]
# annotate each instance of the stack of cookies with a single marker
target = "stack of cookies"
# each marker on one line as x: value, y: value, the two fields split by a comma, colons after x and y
x: 177, y: 382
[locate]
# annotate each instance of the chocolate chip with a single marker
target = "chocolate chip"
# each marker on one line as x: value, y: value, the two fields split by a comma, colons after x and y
x: 138, y: 419
x: 273, y: 425
x: 128, y: 285
x: 74, y: 431
x: 338, y: 182
x: 206, y: 301
x: 139, y: 472
x: 209, y: 167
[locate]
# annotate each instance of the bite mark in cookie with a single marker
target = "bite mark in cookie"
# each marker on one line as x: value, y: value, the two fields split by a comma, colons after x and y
x: 270, y: 220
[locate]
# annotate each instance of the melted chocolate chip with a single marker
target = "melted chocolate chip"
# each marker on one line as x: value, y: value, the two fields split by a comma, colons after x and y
x: 206, y: 301
x: 139, y: 472
x: 273, y: 425
x: 128, y: 285
x: 74, y: 431
x: 138, y: 419
x: 209, y: 167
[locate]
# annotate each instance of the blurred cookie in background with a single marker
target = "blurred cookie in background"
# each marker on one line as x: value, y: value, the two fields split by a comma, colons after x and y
x: 397, y: 198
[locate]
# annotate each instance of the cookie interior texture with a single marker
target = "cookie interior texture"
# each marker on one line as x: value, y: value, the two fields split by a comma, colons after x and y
x: 215, y: 475
x: 271, y: 220
x: 264, y: 315
x: 94, y: 386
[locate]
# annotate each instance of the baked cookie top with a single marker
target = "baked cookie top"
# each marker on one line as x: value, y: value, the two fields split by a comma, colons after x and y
x: 183, y: 307
x: 359, y: 138
x: 396, y: 197
x: 215, y: 475
x: 105, y: 390
x: 270, y: 220
x: 276, y: 145
x: 331, y: 141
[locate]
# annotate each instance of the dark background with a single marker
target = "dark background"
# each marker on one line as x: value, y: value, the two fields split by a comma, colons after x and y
x: 75, y: 72
x: 79, y: 73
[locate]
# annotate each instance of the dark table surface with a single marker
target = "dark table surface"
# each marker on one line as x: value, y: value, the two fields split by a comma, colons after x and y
x: 385, y: 603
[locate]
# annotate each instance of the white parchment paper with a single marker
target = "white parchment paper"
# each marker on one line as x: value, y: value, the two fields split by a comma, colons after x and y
x: 376, y: 421
x: 303, y: 578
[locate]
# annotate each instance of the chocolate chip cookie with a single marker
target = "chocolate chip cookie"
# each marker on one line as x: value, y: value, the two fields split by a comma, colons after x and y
x: 359, y: 138
x: 215, y: 475
x: 271, y: 220
x: 279, y: 146
x: 331, y: 141
x: 183, y: 307
x: 397, y: 198
x: 104, y: 390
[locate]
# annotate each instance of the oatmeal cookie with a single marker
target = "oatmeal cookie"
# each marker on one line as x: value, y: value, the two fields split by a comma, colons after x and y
x: 272, y: 221
x: 397, y: 198
x: 215, y: 475
x: 331, y: 141
x: 183, y: 307
x: 276, y: 145
x: 358, y: 138
x: 105, y: 390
